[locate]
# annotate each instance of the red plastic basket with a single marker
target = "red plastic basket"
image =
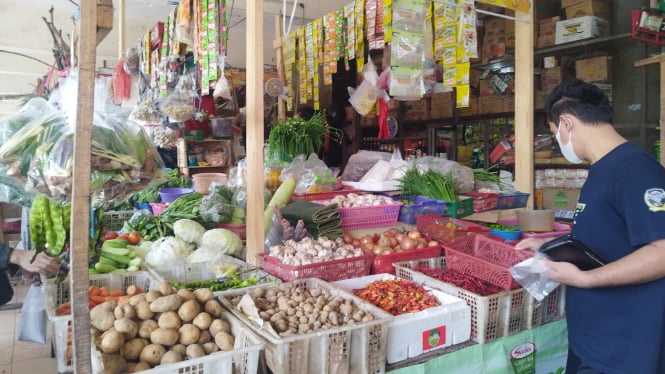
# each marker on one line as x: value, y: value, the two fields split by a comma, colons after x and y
x: 328, y: 271
x: 436, y: 227
x: 345, y: 190
x: 384, y: 263
x: 485, y: 258
x: 483, y: 201
x: 369, y: 216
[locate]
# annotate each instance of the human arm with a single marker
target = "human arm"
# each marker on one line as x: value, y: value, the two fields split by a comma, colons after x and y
x: 41, y: 264
x: 643, y: 265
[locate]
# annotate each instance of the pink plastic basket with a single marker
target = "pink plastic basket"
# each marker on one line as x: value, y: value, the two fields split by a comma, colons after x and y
x: 344, y: 190
x: 369, y: 216
x: 437, y: 227
x: 383, y: 264
x: 485, y: 258
x: 328, y: 271
x: 559, y: 229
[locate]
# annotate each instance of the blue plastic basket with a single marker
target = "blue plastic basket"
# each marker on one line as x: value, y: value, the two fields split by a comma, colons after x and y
x: 418, y: 206
x: 511, y: 200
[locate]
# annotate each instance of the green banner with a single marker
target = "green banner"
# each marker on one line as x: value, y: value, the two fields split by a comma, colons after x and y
x: 542, y: 350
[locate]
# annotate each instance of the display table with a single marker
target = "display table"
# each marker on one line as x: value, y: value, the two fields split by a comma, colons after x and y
x: 510, y: 354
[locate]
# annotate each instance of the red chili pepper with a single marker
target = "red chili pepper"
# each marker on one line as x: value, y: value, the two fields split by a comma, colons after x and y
x: 397, y: 296
x: 467, y: 282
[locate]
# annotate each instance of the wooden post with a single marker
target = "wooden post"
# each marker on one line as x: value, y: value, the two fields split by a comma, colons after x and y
x: 80, y: 221
x: 254, y: 110
x: 121, y: 29
x: 659, y: 59
x: 524, y: 104
x: 278, y: 44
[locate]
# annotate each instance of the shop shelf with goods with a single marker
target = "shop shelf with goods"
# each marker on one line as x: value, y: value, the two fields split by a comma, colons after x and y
x: 204, y: 155
x: 409, y: 140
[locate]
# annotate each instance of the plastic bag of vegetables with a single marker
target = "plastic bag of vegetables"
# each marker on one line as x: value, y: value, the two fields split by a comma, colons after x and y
x: 215, y: 242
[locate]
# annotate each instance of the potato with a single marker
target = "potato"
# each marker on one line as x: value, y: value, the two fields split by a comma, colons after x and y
x: 180, y: 348
x: 166, y: 303
x: 213, y: 308
x: 165, y: 337
x: 113, y: 364
x: 101, y: 316
x: 165, y: 288
x: 152, y: 354
x: 131, y: 350
x: 143, y: 311
x: 112, y: 342
x: 137, y: 367
x: 169, y: 320
x: 124, y: 310
x: 170, y: 357
x: 203, y: 295
x: 152, y: 295
x: 210, y: 347
x: 194, y: 351
x: 127, y: 327
x: 189, y: 334
x: 188, y: 310
x: 146, y: 328
x: 204, y: 337
x: 186, y: 294
x: 202, y: 320
x: 224, y: 341
x: 136, y: 299
x: 219, y: 325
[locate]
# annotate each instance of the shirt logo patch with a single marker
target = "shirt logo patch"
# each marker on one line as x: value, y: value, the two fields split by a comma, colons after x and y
x: 655, y: 199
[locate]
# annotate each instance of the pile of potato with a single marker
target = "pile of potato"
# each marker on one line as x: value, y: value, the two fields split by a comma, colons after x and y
x: 162, y: 326
x: 293, y: 311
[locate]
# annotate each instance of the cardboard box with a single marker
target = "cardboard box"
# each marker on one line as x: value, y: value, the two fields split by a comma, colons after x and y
x: 595, y: 69
x: 471, y: 110
x: 490, y: 104
x: 415, y: 110
x: 485, y: 87
x: 440, y: 111
x: 495, y: 25
x: 509, y: 103
x: 545, y: 41
x: 589, y: 8
x: 581, y: 28
x: 441, y: 98
x: 550, y: 78
x: 474, y: 78
x: 539, y: 99
x: 560, y: 198
x: 568, y: 3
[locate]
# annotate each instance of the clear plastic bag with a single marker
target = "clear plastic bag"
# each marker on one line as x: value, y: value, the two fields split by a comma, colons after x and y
x: 178, y: 106
x: 464, y: 179
x: 361, y: 162
x: 33, y: 322
x: 532, y: 275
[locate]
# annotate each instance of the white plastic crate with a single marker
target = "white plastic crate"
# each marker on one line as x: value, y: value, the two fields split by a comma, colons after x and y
x: 359, y: 348
x: 409, y: 334
x: 551, y: 308
x: 243, y: 359
x: 56, y: 294
x: 492, y: 316
x: 114, y: 220
x: 185, y: 273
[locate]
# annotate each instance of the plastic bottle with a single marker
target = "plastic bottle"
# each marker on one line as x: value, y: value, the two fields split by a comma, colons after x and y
x: 475, y: 159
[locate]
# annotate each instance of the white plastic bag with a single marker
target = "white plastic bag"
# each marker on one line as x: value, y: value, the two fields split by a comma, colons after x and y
x: 532, y: 275
x: 32, y: 325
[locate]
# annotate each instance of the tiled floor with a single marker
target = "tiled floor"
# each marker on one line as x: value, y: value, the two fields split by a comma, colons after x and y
x: 19, y: 357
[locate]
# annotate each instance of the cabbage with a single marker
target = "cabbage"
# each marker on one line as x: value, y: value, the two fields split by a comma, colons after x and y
x: 168, y: 251
x: 215, y: 242
x: 188, y: 230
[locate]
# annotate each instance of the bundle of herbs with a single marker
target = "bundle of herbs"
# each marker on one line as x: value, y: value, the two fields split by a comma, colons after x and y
x: 490, y: 174
x: 429, y: 184
x: 297, y: 136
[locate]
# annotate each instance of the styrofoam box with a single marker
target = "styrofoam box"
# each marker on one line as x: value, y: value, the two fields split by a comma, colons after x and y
x: 581, y: 28
x: 243, y: 359
x: 358, y: 348
x: 56, y: 294
x: 384, y: 186
x: 412, y: 334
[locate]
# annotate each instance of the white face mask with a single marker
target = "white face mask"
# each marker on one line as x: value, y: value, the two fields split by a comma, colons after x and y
x: 567, y: 150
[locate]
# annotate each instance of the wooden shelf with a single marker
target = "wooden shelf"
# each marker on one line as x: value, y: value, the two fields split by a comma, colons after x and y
x: 206, y: 140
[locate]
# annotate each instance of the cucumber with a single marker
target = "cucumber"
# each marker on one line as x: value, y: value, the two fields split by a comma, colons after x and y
x: 104, y: 268
x: 108, y: 261
x: 115, y: 250
x: 124, y: 260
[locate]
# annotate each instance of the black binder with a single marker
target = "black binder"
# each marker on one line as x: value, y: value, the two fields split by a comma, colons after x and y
x: 568, y: 248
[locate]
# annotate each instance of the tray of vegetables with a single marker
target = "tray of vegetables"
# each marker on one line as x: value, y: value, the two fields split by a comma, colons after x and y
x: 446, y: 229
x: 419, y: 311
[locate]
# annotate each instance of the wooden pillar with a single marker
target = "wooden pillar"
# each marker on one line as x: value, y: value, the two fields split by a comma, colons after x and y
x: 80, y: 221
x: 254, y: 110
x: 524, y: 176
x: 121, y: 29
x: 278, y: 44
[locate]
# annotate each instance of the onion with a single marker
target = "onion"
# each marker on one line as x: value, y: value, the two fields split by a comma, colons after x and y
x: 366, y: 239
x: 355, y: 243
x: 414, y: 234
x: 367, y: 246
x: 378, y: 249
x: 432, y: 243
x: 399, y: 237
x: 387, y: 251
x: 421, y: 243
x: 398, y: 248
x: 348, y: 239
x: 392, y: 231
x: 384, y: 241
x: 408, y: 243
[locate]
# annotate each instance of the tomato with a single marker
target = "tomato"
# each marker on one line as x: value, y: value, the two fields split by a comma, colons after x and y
x: 111, y: 235
x: 123, y: 236
x: 134, y: 237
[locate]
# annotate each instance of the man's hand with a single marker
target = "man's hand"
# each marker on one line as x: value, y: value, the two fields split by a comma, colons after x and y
x: 567, y: 273
x: 530, y: 243
x: 42, y: 263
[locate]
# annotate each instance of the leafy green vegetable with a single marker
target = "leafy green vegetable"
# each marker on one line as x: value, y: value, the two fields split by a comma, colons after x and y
x: 429, y: 184
x: 297, y: 136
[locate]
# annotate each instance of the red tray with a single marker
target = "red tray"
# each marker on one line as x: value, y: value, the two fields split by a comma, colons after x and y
x: 328, y: 271
x: 384, y: 263
x: 434, y: 227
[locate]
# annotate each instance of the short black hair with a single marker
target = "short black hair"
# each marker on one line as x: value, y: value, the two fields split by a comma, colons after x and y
x: 583, y: 100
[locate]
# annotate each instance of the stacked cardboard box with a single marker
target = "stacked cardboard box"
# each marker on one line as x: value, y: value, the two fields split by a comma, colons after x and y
x: 581, y: 28
x: 471, y: 110
x: 550, y: 78
x: 546, y: 32
x: 415, y: 110
x: 442, y: 105
x: 581, y: 8
x: 494, y: 40
x: 595, y: 69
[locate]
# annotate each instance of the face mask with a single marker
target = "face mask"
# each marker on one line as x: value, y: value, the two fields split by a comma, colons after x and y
x: 567, y: 150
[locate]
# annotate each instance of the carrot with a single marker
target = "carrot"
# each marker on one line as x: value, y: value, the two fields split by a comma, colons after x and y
x: 98, y: 299
x: 124, y: 299
x: 134, y: 290
x: 63, y: 309
x: 111, y: 298
x: 103, y: 291
x: 69, y: 353
x: 93, y: 291
x: 116, y: 292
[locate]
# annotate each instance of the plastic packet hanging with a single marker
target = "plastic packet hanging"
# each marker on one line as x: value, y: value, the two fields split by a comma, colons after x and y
x: 122, y: 84
x: 131, y: 64
x: 147, y: 111
x: 408, y: 49
x: 364, y: 97
x: 532, y: 275
x: 222, y: 87
x: 409, y: 15
x: 406, y: 83
x: 178, y: 106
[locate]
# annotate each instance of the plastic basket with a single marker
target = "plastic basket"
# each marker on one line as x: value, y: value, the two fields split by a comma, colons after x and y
x: 492, y: 316
x: 436, y: 227
x: 418, y: 206
x: 56, y: 294
x: 452, y: 319
x: 551, y: 308
x: 483, y: 201
x: 114, y: 220
x: 383, y: 264
x: 511, y: 200
x: 345, y: 190
x: 328, y: 271
x: 559, y: 229
x: 243, y: 359
x: 358, y: 348
x: 461, y: 208
x: 485, y: 258
x: 369, y: 216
